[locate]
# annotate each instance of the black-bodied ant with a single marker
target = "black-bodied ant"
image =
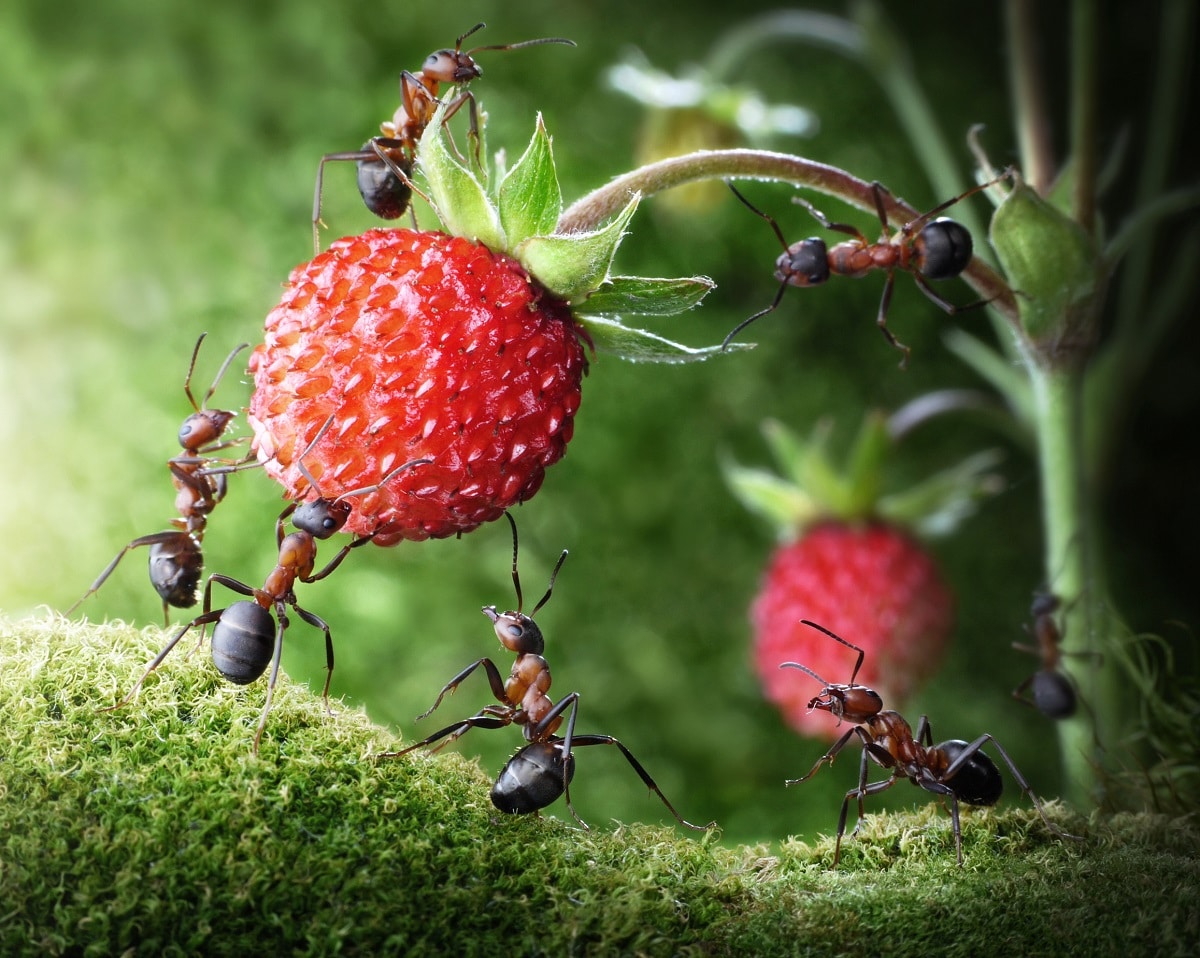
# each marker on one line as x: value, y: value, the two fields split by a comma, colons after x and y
x: 1051, y: 691
x: 541, y: 771
x: 246, y: 638
x: 957, y: 770
x: 176, y: 557
x: 925, y: 248
x: 385, y: 162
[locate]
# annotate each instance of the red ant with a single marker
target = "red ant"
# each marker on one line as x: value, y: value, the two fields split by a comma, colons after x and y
x: 176, y: 558
x: 1051, y: 691
x: 385, y: 162
x: 924, y: 247
x: 245, y: 637
x: 540, y: 772
x: 955, y: 769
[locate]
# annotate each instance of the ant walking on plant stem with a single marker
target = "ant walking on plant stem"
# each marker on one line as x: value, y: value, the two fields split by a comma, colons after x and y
x: 541, y: 771
x: 176, y: 557
x: 385, y: 162
x: 957, y: 770
x: 245, y: 636
x: 926, y: 248
x: 1050, y: 690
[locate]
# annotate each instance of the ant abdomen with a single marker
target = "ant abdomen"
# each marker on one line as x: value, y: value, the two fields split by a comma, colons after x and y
x: 1053, y: 694
x: 978, y: 781
x: 532, y: 779
x: 176, y: 566
x: 382, y: 191
x: 804, y: 264
x: 243, y: 641
x: 944, y: 249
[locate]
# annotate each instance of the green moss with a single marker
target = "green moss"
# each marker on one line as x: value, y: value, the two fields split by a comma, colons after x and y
x: 154, y: 828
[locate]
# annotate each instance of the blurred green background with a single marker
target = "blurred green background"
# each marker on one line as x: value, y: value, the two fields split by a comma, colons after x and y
x: 157, y: 166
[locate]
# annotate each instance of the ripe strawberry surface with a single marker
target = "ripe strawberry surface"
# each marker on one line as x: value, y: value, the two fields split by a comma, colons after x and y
x: 873, y: 585
x: 419, y: 345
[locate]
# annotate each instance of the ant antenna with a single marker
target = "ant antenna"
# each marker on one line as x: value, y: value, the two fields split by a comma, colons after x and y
x: 861, y: 654
x: 516, y: 577
x: 187, y: 383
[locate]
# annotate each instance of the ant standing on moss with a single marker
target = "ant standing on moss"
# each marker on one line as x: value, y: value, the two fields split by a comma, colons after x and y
x: 385, y: 162
x: 245, y: 636
x: 925, y: 248
x: 541, y: 772
x: 957, y: 770
x: 176, y: 557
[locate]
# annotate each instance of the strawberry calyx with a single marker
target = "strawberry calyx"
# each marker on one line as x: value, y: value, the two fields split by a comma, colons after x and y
x: 516, y: 212
x: 809, y: 486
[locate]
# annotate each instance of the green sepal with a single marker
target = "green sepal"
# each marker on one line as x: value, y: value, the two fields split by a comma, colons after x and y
x: 644, y: 296
x: 571, y: 265
x: 785, y: 506
x: 1050, y: 263
x: 460, y: 200
x: 529, y: 198
x: 937, y: 505
x: 640, y: 346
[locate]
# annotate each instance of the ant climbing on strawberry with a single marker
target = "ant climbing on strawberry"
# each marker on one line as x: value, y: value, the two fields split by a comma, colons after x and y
x: 176, y: 555
x: 955, y: 769
x: 385, y: 162
x: 540, y: 772
x: 925, y: 247
x: 248, y: 634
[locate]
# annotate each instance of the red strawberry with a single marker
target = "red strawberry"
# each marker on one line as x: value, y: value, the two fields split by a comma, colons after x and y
x: 872, y: 584
x: 465, y: 352
x: 420, y: 345
x: 851, y: 563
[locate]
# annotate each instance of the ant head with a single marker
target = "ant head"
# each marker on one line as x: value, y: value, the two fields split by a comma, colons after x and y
x: 849, y: 702
x: 450, y: 66
x: 202, y: 427
x: 805, y: 263
x: 943, y: 249
x: 321, y: 518
x: 516, y: 631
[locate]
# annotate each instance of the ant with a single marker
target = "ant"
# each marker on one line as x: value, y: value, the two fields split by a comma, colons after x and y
x: 245, y: 637
x: 925, y: 248
x: 385, y: 162
x: 957, y: 770
x: 1051, y: 692
x: 176, y: 557
x: 540, y: 772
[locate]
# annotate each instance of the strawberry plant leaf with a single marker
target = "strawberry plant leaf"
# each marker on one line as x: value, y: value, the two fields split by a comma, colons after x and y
x: 529, y: 198
x: 643, y: 296
x: 461, y: 201
x: 784, y: 505
x: 639, y: 346
x: 571, y: 265
x: 936, y: 506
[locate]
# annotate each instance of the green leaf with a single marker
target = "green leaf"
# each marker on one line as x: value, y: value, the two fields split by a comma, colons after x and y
x: 644, y: 296
x: 460, y: 199
x: 639, y: 346
x: 1049, y: 261
x: 571, y: 265
x: 530, y: 199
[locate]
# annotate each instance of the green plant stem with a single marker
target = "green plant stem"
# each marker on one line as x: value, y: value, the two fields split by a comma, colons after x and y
x: 1083, y: 112
x: 1033, y: 127
x: 593, y: 209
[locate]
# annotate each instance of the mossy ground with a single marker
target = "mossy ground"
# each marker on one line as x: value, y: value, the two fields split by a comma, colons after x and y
x: 153, y: 829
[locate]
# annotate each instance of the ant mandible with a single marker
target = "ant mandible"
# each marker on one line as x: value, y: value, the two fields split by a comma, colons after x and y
x: 245, y: 637
x: 385, y: 162
x: 1051, y: 691
x: 176, y: 556
x: 925, y: 248
x: 957, y: 770
x: 540, y: 772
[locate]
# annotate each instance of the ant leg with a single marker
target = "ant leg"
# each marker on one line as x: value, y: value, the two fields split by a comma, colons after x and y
x: 881, y: 319
x: 924, y: 734
x: 974, y: 747
x: 201, y: 620
x: 337, y: 559
x: 581, y: 740
x: 352, y: 155
x: 453, y: 732
x: 761, y: 313
x: 829, y: 756
x: 157, y: 538
x: 494, y: 680
x: 757, y: 212
x: 318, y: 623
x: 281, y: 615
x: 821, y: 218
